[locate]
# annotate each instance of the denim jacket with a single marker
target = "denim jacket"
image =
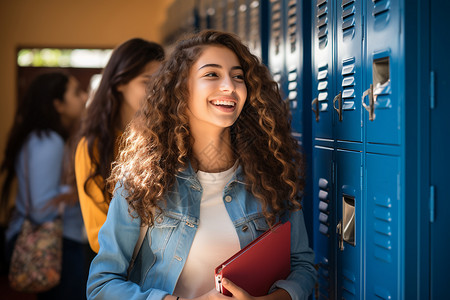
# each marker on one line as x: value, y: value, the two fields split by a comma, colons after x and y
x: 167, y: 243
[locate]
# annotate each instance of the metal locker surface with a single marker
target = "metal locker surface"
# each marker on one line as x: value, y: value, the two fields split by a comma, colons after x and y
x: 276, y: 59
x: 349, y: 209
x: 383, y: 233
x: 322, y: 64
x: 349, y: 72
x: 384, y: 73
x: 439, y: 150
x: 294, y: 64
x: 324, y: 222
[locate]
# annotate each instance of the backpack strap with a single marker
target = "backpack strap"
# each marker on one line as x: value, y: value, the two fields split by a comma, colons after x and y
x: 142, y: 232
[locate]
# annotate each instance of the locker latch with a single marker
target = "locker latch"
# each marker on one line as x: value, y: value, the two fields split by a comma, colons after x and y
x: 341, y: 236
x: 315, y: 108
x: 371, y: 106
x: 338, y: 99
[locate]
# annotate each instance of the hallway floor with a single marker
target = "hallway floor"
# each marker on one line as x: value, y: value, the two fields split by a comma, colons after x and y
x: 9, y: 294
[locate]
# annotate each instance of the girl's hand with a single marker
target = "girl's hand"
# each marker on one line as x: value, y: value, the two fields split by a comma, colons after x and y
x: 238, y: 293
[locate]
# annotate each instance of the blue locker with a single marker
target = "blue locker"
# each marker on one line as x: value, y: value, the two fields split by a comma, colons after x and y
x: 258, y: 31
x: 382, y: 216
x: 322, y: 57
x: 439, y: 133
x: 383, y: 96
x: 276, y: 57
x: 294, y: 64
x: 349, y: 71
x: 349, y: 208
x: 324, y: 221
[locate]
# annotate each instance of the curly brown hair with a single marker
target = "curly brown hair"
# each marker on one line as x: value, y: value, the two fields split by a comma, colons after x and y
x: 157, y: 144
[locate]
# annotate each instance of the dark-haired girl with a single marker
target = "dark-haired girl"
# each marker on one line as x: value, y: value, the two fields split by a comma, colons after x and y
x: 118, y: 97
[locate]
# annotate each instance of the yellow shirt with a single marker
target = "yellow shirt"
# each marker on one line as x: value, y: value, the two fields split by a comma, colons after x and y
x: 94, y: 206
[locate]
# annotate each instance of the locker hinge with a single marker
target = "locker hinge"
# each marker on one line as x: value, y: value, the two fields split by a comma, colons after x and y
x: 333, y: 172
x: 432, y: 99
x: 432, y: 203
x: 362, y: 28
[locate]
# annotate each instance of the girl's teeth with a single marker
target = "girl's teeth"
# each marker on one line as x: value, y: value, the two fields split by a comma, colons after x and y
x: 223, y: 102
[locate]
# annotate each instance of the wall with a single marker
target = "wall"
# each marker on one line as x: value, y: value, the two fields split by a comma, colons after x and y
x: 81, y: 23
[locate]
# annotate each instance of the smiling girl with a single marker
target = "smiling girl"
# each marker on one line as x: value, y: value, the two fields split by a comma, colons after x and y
x: 209, y: 164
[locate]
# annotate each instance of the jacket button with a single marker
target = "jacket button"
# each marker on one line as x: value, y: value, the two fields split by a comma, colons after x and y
x: 228, y: 198
x: 159, y: 220
x: 244, y: 228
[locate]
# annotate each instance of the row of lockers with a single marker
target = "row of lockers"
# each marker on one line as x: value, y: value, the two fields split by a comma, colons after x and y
x: 360, y: 78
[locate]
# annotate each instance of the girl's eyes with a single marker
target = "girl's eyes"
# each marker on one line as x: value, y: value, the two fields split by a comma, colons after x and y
x: 212, y: 74
x: 237, y: 76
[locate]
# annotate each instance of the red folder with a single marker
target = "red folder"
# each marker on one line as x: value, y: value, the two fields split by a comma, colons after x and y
x: 258, y: 265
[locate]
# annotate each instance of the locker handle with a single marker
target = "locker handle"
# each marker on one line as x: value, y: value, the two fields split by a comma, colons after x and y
x: 371, y: 107
x: 341, y: 235
x: 338, y: 98
x: 315, y: 103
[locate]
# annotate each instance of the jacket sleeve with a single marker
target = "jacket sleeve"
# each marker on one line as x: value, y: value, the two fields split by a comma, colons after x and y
x: 93, y: 205
x: 108, y: 272
x: 44, y: 158
x: 303, y: 276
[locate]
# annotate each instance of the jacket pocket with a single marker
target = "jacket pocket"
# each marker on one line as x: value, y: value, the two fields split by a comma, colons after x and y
x: 162, y: 230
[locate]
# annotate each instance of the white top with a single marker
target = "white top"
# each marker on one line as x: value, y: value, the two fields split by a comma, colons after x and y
x: 215, y: 240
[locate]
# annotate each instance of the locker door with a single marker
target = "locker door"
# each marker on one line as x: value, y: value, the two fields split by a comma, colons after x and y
x: 439, y: 151
x: 382, y: 97
x: 294, y: 64
x: 323, y: 89
x: 383, y: 235
x: 276, y: 44
x: 349, y: 229
x: 349, y: 74
x: 324, y: 221
x: 255, y: 38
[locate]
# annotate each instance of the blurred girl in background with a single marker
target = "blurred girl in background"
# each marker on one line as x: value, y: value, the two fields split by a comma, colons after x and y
x: 35, y: 153
x: 120, y: 93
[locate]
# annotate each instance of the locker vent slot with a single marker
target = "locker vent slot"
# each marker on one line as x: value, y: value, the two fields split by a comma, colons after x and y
x: 292, y: 24
x: 348, y: 284
x: 382, y: 228
x: 242, y: 21
x: 382, y: 293
x: 324, y: 279
x: 293, y: 88
x: 322, y: 87
x: 348, y: 83
x: 277, y: 77
x: 322, y: 23
x: 348, y: 19
x: 381, y: 11
x: 324, y: 211
x: 255, y: 29
x: 276, y: 25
